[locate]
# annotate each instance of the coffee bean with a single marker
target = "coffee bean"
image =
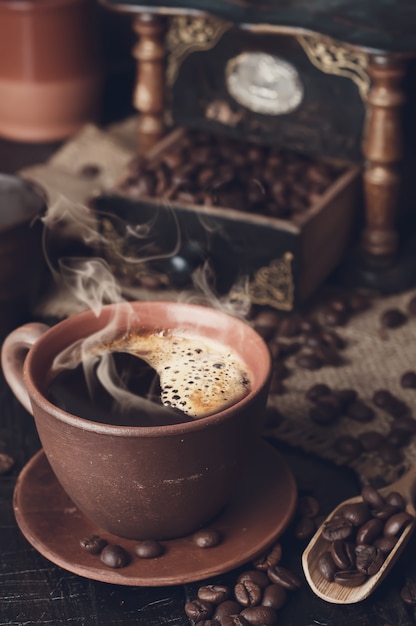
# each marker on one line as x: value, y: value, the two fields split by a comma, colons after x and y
x: 369, y: 559
x: 207, y: 538
x: 309, y: 361
x: 368, y: 532
x: 326, y: 566
x: 149, y: 549
x: 396, y: 499
x: 323, y: 413
x: 114, y: 556
x: 228, y: 607
x: 370, y: 440
x: 282, y: 576
x: 269, y: 558
x: 260, y: 616
x: 343, y: 554
x: 255, y: 576
x: 373, y: 497
x: 389, y: 453
x: 397, y: 437
x: 385, y: 544
x: 396, y: 524
x: 348, y: 446
x: 356, y: 513
x: 6, y: 463
x: 345, y: 397
x: 358, y: 302
x: 198, y: 610
x: 360, y: 412
x: 335, y: 318
x: 90, y: 170
x: 385, y: 511
x: 316, y: 391
x: 382, y: 398
x: 393, y: 318
x: 350, y: 578
x: 408, y: 380
x: 337, y: 528
x: 248, y: 593
x: 328, y: 355
x: 215, y: 594
x: 274, y: 596
x: 332, y: 338
x: 93, y: 544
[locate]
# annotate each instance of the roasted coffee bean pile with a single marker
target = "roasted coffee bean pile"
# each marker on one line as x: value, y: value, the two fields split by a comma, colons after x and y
x: 256, y: 597
x: 361, y: 535
x: 311, y: 338
x: 313, y: 341
x: 211, y: 170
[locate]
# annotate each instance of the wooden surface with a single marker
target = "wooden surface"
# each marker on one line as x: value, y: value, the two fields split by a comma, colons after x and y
x: 387, y: 25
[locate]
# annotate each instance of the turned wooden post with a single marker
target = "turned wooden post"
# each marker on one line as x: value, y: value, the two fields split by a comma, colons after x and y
x: 383, y: 150
x: 149, y: 90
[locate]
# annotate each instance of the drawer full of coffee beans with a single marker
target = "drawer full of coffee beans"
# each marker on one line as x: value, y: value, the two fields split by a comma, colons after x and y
x: 274, y: 220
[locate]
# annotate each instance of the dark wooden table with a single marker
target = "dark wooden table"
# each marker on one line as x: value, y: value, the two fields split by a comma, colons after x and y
x: 35, y: 591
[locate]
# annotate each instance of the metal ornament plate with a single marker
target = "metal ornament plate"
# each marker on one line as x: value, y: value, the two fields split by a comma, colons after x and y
x: 264, y: 83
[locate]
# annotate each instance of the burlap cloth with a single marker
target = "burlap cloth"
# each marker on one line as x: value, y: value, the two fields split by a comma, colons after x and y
x: 374, y: 359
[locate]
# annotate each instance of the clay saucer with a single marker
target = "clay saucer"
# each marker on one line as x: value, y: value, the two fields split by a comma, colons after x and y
x: 258, y: 514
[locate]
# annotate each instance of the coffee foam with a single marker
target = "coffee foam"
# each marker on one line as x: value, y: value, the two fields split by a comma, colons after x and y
x: 198, y: 377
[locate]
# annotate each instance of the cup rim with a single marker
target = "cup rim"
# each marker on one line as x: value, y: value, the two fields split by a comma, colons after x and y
x: 147, y: 431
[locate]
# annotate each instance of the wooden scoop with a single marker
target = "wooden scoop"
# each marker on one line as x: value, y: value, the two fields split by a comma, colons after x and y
x: 339, y: 594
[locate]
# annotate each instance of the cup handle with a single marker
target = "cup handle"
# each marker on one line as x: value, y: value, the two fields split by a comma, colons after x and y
x: 13, y: 353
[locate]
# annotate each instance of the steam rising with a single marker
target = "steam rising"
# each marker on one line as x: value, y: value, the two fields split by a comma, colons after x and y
x: 91, y: 282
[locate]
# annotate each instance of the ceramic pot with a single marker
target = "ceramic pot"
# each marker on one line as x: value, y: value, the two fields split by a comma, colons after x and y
x: 50, y: 68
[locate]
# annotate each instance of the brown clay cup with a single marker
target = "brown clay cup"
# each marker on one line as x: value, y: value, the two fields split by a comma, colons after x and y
x: 152, y: 482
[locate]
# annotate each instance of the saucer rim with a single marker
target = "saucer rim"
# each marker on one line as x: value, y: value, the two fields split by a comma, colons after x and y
x: 266, y: 454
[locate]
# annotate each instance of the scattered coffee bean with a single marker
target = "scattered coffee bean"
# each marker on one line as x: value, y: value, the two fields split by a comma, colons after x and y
x: 207, y: 538
x: 149, y: 549
x: 360, y: 412
x: 309, y: 361
x: 317, y: 391
x: 370, y: 440
x: 90, y: 170
x: 215, y: 594
x: 408, y: 380
x: 6, y: 463
x: 282, y: 576
x: 248, y: 593
x: 93, y: 544
x: 348, y: 446
x: 255, y: 576
x: 260, y: 616
x: 228, y: 607
x: 393, y: 318
x: 198, y: 610
x: 274, y: 596
x: 269, y: 558
x: 114, y: 556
